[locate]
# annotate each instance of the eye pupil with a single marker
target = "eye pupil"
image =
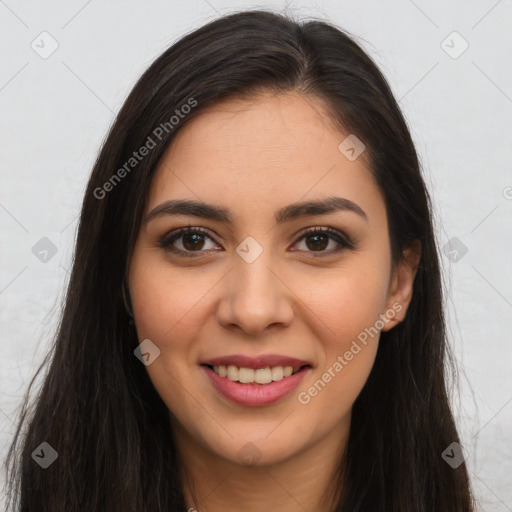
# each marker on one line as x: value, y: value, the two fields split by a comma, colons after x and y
x: 197, y: 239
x: 318, y: 244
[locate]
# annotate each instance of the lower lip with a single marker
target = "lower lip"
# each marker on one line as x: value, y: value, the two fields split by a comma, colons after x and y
x: 256, y: 394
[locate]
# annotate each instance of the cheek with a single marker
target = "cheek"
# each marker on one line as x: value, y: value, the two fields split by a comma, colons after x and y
x: 346, y: 313
x: 167, y: 303
x: 166, y: 307
x: 345, y: 302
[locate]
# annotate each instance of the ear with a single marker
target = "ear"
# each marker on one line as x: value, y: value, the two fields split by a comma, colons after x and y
x: 401, y: 286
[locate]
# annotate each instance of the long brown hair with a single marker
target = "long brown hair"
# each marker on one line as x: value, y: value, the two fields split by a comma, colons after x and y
x: 97, y: 406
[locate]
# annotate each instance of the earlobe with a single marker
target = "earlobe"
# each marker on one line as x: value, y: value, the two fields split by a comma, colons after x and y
x: 402, y: 286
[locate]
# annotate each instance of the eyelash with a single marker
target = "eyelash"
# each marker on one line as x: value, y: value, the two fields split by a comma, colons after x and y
x: 339, y: 237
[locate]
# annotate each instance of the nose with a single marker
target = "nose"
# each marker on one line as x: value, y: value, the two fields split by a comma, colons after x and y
x: 256, y: 297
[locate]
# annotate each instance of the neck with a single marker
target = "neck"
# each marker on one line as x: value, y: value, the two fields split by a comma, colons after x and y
x: 305, y: 481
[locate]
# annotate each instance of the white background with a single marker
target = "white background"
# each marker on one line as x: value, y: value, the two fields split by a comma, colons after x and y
x: 56, y: 111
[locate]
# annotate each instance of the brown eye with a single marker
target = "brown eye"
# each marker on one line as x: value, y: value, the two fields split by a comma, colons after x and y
x: 318, y: 239
x: 191, y: 240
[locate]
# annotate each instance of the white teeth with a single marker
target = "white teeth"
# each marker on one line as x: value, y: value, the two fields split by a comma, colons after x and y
x: 249, y: 375
x: 263, y: 375
x: 277, y: 373
x: 245, y: 375
x: 232, y: 372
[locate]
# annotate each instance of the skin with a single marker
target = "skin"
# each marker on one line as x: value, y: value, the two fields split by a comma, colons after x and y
x: 254, y: 157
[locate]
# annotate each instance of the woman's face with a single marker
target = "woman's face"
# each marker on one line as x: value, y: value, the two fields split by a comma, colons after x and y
x: 255, y: 286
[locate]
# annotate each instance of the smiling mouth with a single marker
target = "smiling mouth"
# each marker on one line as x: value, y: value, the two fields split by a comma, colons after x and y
x: 259, y: 376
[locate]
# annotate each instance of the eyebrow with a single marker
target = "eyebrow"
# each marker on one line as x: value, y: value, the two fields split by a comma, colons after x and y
x: 286, y: 214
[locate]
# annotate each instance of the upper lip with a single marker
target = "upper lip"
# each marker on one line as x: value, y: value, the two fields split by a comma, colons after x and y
x: 261, y: 361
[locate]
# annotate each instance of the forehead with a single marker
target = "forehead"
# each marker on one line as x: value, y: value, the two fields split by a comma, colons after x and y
x: 265, y: 152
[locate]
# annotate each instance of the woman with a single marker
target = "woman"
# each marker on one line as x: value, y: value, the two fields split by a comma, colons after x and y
x: 254, y: 316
